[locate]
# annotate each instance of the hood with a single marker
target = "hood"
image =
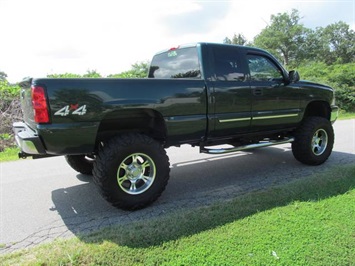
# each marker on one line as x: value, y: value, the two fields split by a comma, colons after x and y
x: 307, y: 83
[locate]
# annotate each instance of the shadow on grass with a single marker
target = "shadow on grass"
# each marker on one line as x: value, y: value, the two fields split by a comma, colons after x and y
x: 244, y: 184
x: 143, y: 234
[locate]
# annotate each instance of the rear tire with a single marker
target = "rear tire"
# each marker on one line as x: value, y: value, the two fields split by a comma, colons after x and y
x: 131, y: 171
x: 80, y: 163
x: 314, y: 141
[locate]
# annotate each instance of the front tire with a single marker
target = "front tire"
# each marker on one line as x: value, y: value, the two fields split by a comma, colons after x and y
x: 314, y: 141
x: 131, y: 171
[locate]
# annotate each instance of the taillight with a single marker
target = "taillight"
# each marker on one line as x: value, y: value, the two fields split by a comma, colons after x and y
x: 39, y: 102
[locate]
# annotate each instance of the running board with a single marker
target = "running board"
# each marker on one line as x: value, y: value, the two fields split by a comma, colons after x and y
x: 245, y: 147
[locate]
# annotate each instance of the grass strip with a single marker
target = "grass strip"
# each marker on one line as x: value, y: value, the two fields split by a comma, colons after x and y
x: 346, y: 115
x: 9, y: 154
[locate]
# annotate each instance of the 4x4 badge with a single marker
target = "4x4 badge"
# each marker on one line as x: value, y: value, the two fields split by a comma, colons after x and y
x: 73, y: 109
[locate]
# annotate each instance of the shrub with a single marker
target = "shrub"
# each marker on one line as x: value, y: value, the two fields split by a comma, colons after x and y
x: 346, y: 98
x: 340, y: 76
x: 10, y: 111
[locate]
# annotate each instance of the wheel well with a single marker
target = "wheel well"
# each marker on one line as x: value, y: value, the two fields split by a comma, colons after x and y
x: 318, y: 108
x: 145, y: 121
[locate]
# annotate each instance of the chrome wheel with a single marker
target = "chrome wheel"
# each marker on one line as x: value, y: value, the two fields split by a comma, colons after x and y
x: 319, y: 142
x: 136, y: 173
x: 131, y: 170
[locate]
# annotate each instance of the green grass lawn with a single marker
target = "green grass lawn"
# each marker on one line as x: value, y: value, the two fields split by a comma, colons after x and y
x: 346, y: 115
x: 9, y: 154
x: 307, y: 222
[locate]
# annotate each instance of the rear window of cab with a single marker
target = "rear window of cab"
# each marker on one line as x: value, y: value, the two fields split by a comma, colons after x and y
x: 176, y: 63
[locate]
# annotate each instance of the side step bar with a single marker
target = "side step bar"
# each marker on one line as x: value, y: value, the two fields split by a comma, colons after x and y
x: 245, y: 147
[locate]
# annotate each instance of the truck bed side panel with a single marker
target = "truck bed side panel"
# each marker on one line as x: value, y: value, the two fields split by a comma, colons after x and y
x: 78, y: 106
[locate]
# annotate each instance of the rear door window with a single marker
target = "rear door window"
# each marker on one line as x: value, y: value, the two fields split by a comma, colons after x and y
x: 227, y: 64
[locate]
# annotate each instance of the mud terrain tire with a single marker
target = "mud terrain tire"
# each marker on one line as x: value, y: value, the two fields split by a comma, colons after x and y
x: 131, y: 171
x: 314, y: 141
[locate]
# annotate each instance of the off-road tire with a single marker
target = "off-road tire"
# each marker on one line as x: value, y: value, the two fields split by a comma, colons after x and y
x: 314, y: 141
x: 80, y: 163
x: 131, y: 171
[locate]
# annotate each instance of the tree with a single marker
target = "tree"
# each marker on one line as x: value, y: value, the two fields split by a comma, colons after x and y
x: 237, y: 39
x: 92, y: 74
x: 284, y: 36
x: 64, y: 75
x: 337, y: 43
x: 89, y: 74
x: 3, y: 76
x: 138, y: 70
x: 332, y: 45
x: 227, y: 41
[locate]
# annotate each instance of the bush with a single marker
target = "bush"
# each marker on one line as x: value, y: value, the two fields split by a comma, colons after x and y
x: 340, y: 76
x: 346, y: 98
x: 10, y: 111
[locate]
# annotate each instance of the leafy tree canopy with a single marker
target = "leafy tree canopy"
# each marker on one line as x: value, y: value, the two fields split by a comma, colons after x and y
x: 294, y: 44
x: 237, y: 39
x: 284, y: 36
x: 3, y: 76
x: 336, y: 43
x: 138, y: 70
x: 92, y: 74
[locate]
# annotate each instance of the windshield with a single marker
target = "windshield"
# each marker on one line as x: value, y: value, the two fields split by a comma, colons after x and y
x: 176, y: 63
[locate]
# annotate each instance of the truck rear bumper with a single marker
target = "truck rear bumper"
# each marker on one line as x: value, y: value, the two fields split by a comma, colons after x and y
x: 28, y: 140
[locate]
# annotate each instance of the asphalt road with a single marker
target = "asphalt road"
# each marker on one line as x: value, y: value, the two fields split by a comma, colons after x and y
x: 41, y: 200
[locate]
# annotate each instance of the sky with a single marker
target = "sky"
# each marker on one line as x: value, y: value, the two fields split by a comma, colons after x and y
x: 41, y: 37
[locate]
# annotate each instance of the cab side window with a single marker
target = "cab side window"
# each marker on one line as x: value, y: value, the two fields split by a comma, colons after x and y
x: 227, y: 65
x: 263, y: 69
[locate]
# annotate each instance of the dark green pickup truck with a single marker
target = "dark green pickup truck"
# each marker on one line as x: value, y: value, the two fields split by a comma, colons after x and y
x: 201, y: 94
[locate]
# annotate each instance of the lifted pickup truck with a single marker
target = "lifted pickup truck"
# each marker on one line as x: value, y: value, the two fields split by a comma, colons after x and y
x: 202, y: 94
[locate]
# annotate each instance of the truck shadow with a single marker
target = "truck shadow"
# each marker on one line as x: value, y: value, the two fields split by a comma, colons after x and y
x: 193, y: 184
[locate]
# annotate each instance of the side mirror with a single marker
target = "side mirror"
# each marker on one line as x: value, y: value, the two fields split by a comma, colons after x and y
x: 293, y: 76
